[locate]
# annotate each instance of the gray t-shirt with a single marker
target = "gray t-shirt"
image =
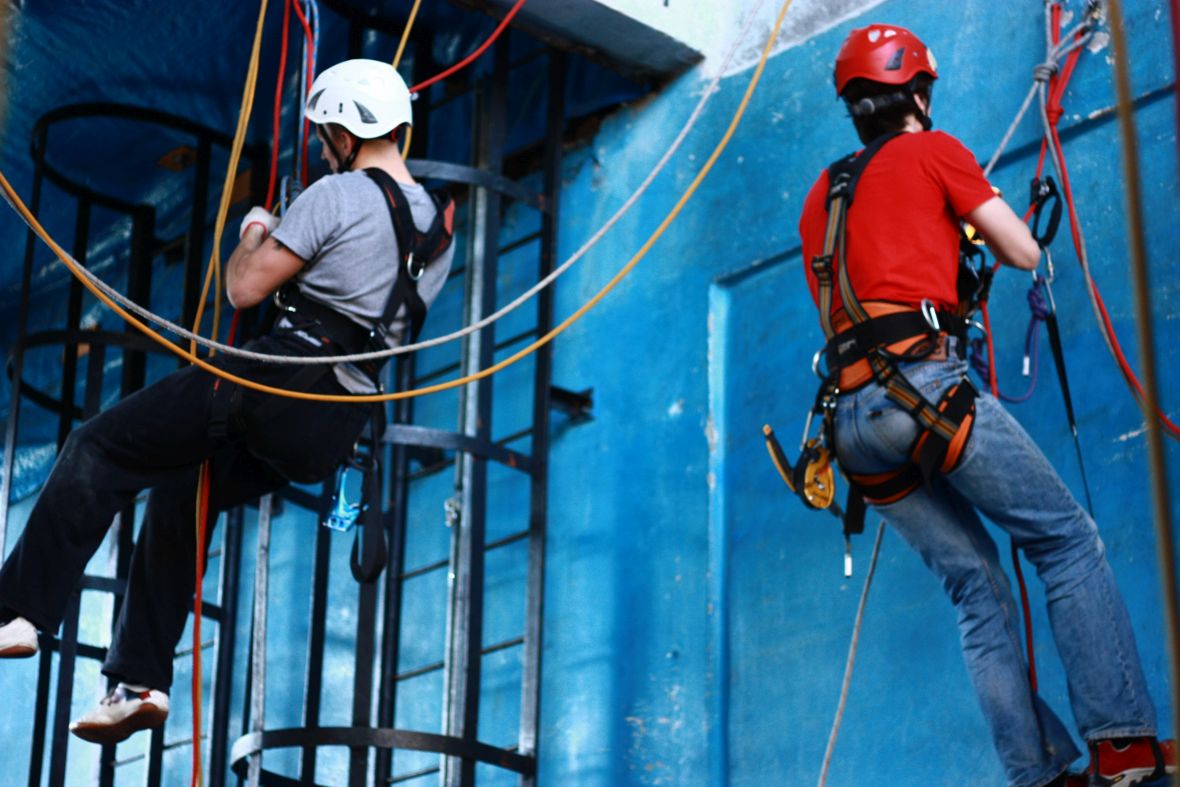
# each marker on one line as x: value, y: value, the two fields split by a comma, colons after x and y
x: 340, y: 225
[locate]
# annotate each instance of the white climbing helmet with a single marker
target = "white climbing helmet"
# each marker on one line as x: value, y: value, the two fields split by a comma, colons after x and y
x: 367, y: 97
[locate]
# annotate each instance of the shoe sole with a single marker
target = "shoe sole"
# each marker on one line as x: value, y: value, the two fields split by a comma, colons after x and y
x: 148, y: 716
x: 1136, y: 777
x: 18, y: 652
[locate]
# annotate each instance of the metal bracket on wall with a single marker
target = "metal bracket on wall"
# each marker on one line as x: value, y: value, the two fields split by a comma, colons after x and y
x: 576, y: 404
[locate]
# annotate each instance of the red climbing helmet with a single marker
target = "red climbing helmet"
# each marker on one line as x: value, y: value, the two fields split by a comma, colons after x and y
x: 883, y: 53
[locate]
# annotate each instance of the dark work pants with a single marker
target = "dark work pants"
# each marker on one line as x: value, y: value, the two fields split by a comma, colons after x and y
x: 157, y: 438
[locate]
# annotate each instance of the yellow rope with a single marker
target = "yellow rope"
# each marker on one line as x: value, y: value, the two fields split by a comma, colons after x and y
x: 397, y: 59
x: 213, y: 272
x: 406, y: 141
x: 401, y: 46
x: 384, y: 397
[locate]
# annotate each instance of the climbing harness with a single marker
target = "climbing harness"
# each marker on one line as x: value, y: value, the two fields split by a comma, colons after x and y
x: 865, y: 343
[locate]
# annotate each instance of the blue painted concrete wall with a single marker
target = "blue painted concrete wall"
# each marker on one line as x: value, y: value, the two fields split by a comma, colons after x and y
x: 697, y: 619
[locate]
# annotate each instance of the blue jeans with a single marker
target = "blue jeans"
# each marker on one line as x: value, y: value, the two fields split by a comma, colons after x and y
x: 1004, y: 476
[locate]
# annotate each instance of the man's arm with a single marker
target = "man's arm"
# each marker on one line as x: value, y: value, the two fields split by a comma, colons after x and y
x: 1008, y: 238
x: 258, y: 267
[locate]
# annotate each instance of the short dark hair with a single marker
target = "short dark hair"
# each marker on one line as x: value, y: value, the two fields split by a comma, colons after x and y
x: 892, y: 116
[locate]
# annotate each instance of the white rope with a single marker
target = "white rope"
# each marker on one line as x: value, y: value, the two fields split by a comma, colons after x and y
x: 211, y: 344
x: 1032, y: 92
x: 860, y: 615
x: 1041, y: 74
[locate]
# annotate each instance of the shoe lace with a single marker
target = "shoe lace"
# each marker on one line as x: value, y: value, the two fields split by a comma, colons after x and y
x: 115, y: 696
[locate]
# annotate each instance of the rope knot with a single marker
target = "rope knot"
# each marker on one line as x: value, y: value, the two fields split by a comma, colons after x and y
x: 1043, y: 72
x: 1038, y: 305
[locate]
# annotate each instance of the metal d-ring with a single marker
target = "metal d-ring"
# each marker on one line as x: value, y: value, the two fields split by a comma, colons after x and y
x: 815, y: 363
x: 415, y: 271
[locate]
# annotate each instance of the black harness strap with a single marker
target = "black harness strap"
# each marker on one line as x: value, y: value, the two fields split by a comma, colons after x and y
x: 416, y: 249
x: 369, y: 550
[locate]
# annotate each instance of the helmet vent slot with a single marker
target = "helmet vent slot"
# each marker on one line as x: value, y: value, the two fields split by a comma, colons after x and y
x: 366, y: 115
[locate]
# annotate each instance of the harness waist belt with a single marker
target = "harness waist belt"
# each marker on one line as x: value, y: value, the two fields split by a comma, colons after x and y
x: 903, y: 333
x: 344, y: 332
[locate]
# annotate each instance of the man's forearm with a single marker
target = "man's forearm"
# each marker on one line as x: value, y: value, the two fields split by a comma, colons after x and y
x: 238, y: 269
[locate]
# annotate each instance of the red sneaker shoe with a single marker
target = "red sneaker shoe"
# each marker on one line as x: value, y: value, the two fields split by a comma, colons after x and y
x: 1128, y: 761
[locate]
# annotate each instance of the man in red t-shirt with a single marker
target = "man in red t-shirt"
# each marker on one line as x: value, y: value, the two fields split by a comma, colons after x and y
x: 901, y: 251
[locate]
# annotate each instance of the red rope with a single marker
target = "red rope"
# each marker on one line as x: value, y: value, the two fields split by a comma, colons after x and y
x: 202, y: 525
x: 308, y: 47
x: 1124, y: 365
x: 202, y: 528
x: 278, y: 107
x: 418, y: 88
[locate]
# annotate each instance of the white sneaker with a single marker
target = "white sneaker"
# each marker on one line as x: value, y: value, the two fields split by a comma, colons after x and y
x: 18, y: 639
x: 125, y: 710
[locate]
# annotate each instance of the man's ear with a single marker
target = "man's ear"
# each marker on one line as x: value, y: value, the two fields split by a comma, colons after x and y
x: 341, y: 139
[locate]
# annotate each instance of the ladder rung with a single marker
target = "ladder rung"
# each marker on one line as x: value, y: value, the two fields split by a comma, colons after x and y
x: 405, y: 777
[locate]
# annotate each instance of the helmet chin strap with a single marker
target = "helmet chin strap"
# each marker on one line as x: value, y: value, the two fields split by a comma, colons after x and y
x: 346, y: 165
x: 343, y: 165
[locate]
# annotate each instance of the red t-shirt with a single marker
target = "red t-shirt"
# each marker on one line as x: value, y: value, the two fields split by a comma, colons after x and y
x: 903, y: 225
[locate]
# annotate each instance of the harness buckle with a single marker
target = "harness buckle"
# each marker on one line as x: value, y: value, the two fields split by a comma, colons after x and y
x: 930, y: 314
x: 414, y: 267
x: 821, y: 265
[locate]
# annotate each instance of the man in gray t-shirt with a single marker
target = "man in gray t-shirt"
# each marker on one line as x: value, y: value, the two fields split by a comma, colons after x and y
x: 338, y: 246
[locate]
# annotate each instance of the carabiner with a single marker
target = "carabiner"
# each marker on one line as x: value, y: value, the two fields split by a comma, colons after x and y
x: 930, y: 314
